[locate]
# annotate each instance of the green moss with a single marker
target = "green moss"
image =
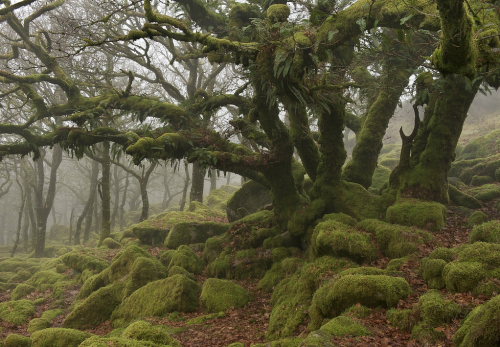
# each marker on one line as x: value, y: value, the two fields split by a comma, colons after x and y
x: 95, y: 309
x: 486, y: 232
x: 342, y: 218
x: 481, y: 180
x: 97, y: 341
x: 49, y: 315
x: 462, y: 199
x: 176, y: 293
x: 404, y: 320
x: 480, y: 327
x: 38, y: 324
x: 217, y: 199
x: 219, y: 295
x: 13, y: 264
x: 24, y: 274
x: 337, y: 239
x: 187, y: 259
x: 463, y: 277
x: 15, y: 340
x: 357, y: 311
x: 396, y: 264
x: 166, y: 257
x: 477, y: 218
x: 144, y: 331
x: 58, y: 337
x: 189, y: 232
x: 371, y: 291
x: 81, y: 261
x: 485, y: 193
x: 16, y: 312
x: 422, y: 214
x: 426, y: 335
x: 380, y: 177
x: 342, y: 325
x: 21, y: 291
x: 177, y: 270
x: 149, y: 235
x: 144, y: 270
x: 278, y: 13
x: 292, y: 296
x: 363, y: 271
x: 250, y: 263
x: 436, y: 311
x: 446, y: 254
x: 203, y: 319
x: 395, y: 241
x: 318, y: 338
x: 111, y: 244
x: 221, y: 266
x: 277, y: 272
x: 431, y: 271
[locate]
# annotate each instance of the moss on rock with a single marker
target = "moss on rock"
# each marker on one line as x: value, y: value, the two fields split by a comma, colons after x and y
x: 370, y: 290
x: 486, y: 192
x: 95, y: 309
x: 21, y: 290
x: 340, y: 240
x: 251, y: 196
x: 15, y: 340
x: 395, y: 241
x: 291, y: 297
x: 187, y: 259
x: 342, y: 325
x: 404, y: 320
x: 480, y: 328
x: 422, y: 214
x: 16, y: 312
x: 58, y: 337
x: 477, y: 218
x: 111, y: 244
x: 277, y: 272
x: 177, y: 270
x: 38, y: 324
x: 190, y: 232
x: 486, y: 232
x: 218, y: 295
x: 176, y: 293
x: 435, y: 311
x: 81, y: 261
x: 462, y: 199
x: 144, y: 331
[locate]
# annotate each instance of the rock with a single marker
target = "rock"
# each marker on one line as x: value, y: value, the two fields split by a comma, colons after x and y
x: 38, y: 324
x: 190, y: 232
x: 422, y: 214
x: 187, y: 259
x: 111, y: 244
x: 219, y: 295
x: 16, y: 312
x: 58, y: 337
x: 15, y: 340
x: 144, y: 331
x: 251, y: 196
x: 486, y: 232
x: 462, y: 199
x: 21, y: 291
x: 477, y: 218
x: 342, y: 325
x: 176, y: 293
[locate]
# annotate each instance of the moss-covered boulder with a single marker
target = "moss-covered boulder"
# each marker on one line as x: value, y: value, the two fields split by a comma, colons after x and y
x: 16, y: 312
x: 111, y: 244
x: 369, y: 290
x: 21, y: 290
x: 176, y: 293
x: 15, y: 340
x: 82, y: 260
x: 462, y: 199
x: 217, y: 199
x: 422, y: 214
x: 43, y: 280
x: 218, y: 295
x: 380, y: 177
x: 436, y: 311
x: 480, y: 328
x: 342, y: 325
x: 149, y: 235
x: 244, y: 264
x: 186, y: 258
x: 58, y: 232
x: 250, y: 197
x: 190, y: 232
x: 485, y: 193
x: 96, y: 308
x: 97, y: 341
x: 279, y: 271
x: 58, y: 337
x: 292, y: 296
x: 477, y: 218
x: 144, y: 331
x: 318, y: 338
x: 340, y: 240
x: 463, y: 269
x: 395, y: 241
x: 13, y: 264
x: 38, y: 324
x: 177, y: 270
x: 486, y: 232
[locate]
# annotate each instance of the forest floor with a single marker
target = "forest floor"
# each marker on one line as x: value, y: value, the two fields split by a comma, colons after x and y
x: 248, y: 325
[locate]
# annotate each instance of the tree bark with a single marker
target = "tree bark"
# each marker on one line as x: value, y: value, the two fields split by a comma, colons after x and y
x: 197, y: 184
x: 105, y: 231
x: 90, y: 201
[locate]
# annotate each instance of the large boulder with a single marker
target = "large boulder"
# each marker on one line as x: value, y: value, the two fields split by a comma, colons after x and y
x: 16, y: 312
x: 187, y: 233
x: 58, y: 337
x: 219, y: 295
x: 247, y: 200
x: 176, y: 293
x: 422, y: 214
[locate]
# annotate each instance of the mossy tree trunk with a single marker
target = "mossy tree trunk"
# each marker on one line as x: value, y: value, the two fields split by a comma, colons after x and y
x: 365, y: 154
x: 197, y: 183
x: 45, y: 205
x: 424, y: 175
x: 144, y: 191
x: 105, y: 231
x: 116, y: 197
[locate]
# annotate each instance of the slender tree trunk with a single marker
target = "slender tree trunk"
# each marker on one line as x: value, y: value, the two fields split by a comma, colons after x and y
x: 143, y: 183
x: 186, y: 186
x: 43, y: 208
x: 228, y: 178
x: 213, y: 180
x: 122, y: 205
x: 90, y: 202
x: 88, y: 219
x: 19, y: 219
x: 2, y: 230
x: 71, y: 225
x: 106, y: 193
x: 26, y: 224
x: 116, y: 188
x: 198, y: 182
